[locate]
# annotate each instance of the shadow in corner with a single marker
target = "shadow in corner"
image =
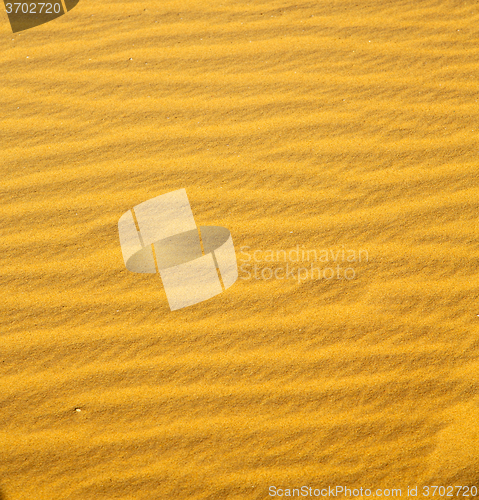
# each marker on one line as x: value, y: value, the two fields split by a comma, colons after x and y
x: 2, y: 495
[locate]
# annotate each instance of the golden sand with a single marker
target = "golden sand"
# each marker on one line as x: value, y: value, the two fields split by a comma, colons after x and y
x: 334, y: 124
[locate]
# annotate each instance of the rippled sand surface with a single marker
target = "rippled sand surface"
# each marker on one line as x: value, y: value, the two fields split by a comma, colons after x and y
x: 316, y: 125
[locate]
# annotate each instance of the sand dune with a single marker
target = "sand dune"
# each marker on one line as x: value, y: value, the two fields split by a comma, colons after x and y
x: 311, y: 125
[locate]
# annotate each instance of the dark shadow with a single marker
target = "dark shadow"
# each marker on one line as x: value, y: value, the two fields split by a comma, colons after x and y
x: 2, y: 495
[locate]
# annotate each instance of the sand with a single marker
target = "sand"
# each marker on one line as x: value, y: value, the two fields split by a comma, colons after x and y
x: 311, y: 125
